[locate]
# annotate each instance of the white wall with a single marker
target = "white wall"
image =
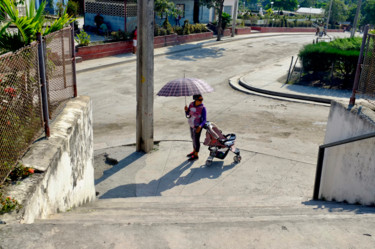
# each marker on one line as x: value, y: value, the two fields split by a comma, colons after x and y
x: 66, y: 159
x: 349, y: 170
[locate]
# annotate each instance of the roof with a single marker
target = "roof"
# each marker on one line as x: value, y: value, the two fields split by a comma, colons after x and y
x: 310, y: 10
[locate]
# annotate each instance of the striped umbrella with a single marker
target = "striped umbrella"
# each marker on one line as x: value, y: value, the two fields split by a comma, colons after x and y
x: 185, y: 87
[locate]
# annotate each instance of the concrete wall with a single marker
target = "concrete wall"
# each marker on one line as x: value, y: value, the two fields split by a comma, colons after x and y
x: 349, y: 170
x: 66, y: 159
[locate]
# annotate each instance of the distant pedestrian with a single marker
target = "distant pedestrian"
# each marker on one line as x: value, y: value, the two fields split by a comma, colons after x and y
x: 177, y: 20
x: 196, y: 112
x: 99, y: 20
x: 135, y: 40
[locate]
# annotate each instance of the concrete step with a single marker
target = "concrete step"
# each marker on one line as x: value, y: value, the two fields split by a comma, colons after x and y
x: 198, y: 210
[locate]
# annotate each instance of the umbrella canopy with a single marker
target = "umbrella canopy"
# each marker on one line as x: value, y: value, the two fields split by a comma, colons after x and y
x: 185, y: 87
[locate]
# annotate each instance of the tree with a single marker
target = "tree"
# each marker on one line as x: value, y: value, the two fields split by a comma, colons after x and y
x: 368, y: 12
x: 164, y: 7
x: 339, y: 11
x: 308, y: 3
x: 286, y: 4
x: 218, y: 5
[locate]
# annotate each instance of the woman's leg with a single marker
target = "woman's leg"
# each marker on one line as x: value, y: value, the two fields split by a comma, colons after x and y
x: 197, y: 143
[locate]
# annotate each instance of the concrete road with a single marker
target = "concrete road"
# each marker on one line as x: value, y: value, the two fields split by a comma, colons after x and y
x: 263, y: 125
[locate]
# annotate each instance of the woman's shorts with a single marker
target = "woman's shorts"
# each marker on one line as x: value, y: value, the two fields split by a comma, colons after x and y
x: 134, y: 43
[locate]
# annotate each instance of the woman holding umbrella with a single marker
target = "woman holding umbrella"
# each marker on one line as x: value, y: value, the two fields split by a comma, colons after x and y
x: 196, y: 114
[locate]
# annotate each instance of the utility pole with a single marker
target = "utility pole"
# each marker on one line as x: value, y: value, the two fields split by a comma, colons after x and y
x: 356, y: 19
x: 145, y: 76
x: 234, y: 17
x: 329, y: 13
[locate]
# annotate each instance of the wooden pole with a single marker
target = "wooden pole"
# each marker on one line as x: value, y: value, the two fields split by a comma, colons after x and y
x: 357, y: 13
x: 234, y: 17
x: 145, y: 76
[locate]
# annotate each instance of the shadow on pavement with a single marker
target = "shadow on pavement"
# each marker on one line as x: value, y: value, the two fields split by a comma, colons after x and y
x: 340, y: 207
x: 319, y: 91
x: 195, y: 54
x: 121, y: 165
x: 170, y: 180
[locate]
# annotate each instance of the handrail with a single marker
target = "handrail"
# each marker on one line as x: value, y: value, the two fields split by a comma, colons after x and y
x: 319, y: 166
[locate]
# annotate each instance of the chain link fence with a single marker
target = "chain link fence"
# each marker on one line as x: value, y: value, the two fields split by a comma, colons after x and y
x: 21, y: 110
x: 367, y: 80
x: 20, y: 107
x: 59, y: 69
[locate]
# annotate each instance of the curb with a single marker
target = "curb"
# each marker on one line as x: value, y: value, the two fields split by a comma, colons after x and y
x: 285, y: 95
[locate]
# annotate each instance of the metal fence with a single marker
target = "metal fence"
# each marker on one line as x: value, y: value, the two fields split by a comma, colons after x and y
x: 21, y: 85
x: 60, y: 70
x: 367, y: 79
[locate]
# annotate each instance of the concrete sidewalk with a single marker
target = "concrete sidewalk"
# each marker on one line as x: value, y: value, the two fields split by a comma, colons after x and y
x: 272, y: 81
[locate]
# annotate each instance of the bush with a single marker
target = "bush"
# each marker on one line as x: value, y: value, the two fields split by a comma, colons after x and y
x: 72, y: 8
x: 121, y: 35
x: 168, y: 27
x: 342, y: 54
x: 226, y: 18
x: 179, y: 30
x: 186, y: 28
x: 83, y: 38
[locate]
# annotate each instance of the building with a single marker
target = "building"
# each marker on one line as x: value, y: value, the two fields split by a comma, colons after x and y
x: 115, y: 11
x: 310, y: 11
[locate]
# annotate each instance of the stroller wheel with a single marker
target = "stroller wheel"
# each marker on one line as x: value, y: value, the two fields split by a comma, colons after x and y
x: 237, y: 159
x: 208, y: 163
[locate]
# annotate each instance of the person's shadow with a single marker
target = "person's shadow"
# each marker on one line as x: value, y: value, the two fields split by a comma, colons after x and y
x: 170, y: 180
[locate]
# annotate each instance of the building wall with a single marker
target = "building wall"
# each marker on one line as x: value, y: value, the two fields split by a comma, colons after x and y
x: 117, y: 22
x: 349, y: 170
x: 114, y: 23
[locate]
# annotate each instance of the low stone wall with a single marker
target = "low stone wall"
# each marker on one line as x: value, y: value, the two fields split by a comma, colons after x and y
x: 286, y: 29
x: 109, y: 49
x: 104, y: 50
x: 349, y: 170
x: 66, y: 160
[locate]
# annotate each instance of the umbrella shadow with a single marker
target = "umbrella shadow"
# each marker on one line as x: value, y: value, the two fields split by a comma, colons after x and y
x: 195, y: 53
x: 170, y: 180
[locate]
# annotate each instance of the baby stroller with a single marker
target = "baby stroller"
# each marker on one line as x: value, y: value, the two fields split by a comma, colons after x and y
x: 219, y: 144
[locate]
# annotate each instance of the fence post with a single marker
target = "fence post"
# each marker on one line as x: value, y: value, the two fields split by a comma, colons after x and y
x: 290, y: 67
x: 73, y: 60
x: 359, y: 64
x: 43, y: 83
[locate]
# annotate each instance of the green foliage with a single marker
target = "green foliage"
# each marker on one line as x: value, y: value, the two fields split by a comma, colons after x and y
x: 186, y: 29
x: 368, y: 12
x: 339, y: 11
x: 8, y: 204
x: 285, y: 4
x: 121, y: 36
x: 168, y: 27
x: 165, y: 7
x: 179, y: 30
x: 72, y: 8
x: 20, y: 172
x: 342, y: 54
x: 83, y: 39
x: 28, y: 25
x: 226, y: 19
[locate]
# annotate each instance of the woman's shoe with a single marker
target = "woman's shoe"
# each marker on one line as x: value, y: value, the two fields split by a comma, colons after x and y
x: 190, y: 154
x: 193, y: 158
